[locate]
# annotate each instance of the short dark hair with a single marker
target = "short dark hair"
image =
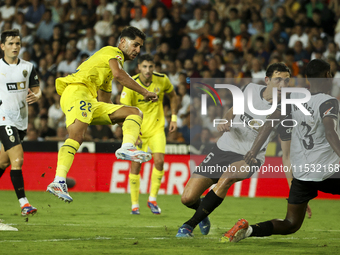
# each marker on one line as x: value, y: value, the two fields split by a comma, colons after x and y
x: 279, y: 67
x: 317, y: 68
x: 145, y: 57
x: 132, y: 32
x: 9, y: 33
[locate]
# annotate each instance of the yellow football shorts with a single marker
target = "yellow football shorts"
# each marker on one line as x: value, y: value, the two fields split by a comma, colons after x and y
x: 77, y: 102
x: 156, y: 143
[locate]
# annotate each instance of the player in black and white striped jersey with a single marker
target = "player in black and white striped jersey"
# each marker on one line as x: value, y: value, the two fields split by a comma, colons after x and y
x: 19, y: 86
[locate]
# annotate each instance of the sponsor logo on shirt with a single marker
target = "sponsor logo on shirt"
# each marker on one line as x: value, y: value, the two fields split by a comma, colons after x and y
x: 12, y: 86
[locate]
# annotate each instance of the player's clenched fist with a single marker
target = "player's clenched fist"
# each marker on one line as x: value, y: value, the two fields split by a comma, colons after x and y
x: 151, y: 96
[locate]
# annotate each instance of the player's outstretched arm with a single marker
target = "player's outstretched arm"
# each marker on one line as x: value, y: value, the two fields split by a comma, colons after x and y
x: 174, y: 109
x: 261, y: 137
x: 331, y: 134
x: 125, y: 79
x: 33, y: 95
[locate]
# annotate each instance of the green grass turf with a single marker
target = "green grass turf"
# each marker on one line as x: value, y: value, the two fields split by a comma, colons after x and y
x: 100, y: 223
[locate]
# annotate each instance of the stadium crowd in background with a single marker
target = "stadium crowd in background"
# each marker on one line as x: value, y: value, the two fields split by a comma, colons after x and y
x: 234, y: 39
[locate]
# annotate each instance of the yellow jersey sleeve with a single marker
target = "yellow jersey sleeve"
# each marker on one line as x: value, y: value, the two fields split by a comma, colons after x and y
x: 168, y: 87
x: 109, y: 53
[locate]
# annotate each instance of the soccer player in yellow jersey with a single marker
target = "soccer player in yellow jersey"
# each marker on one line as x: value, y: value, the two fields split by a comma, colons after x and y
x: 86, y: 99
x: 152, y: 129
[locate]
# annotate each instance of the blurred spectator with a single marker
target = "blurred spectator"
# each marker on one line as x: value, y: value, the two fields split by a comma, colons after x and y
x: 101, y: 133
x: 332, y: 52
x: 20, y: 21
x: 298, y: 35
x: 56, y: 115
x: 217, y: 48
x: 90, y: 34
x: 51, y: 66
x: 62, y: 135
x: 228, y: 38
x: 184, y: 99
x: 311, y: 6
x: 45, y: 29
x: 69, y: 65
x: 190, y: 70
x: 138, y: 21
x: 257, y: 72
x: 148, y: 47
x: 260, y: 51
x: 7, y: 11
x: 74, y: 12
x: 199, y: 62
x: 173, y: 74
x: 205, y: 33
x: 234, y: 21
x: 118, y: 133
x: 35, y: 11
x: 194, y: 26
x: 268, y: 19
x: 276, y: 35
x: 58, y: 12
x: 85, y: 22
x: 170, y: 37
x: 336, y: 78
x: 32, y: 135
x: 289, y: 61
x: 123, y: 18
x: 44, y: 130
x: 157, y: 25
x: 213, y: 68
x: 186, y: 50
x: 102, y: 27
x: 254, y: 18
x: 299, y: 53
x: 270, y: 4
x: 215, y: 23
x: 105, y: 5
x: 139, y: 4
x: 286, y: 23
x: 178, y: 23
x: 26, y: 37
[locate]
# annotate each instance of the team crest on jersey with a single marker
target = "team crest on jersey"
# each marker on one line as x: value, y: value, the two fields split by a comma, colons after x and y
x: 123, y: 94
x: 24, y: 73
x: 119, y: 57
x: 156, y: 90
x: 12, y: 138
x: 84, y: 114
x: 3, y: 118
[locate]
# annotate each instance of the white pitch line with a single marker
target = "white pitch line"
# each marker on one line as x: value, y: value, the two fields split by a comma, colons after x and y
x: 56, y: 240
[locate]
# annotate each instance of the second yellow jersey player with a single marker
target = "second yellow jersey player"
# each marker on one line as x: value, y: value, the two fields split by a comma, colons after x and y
x: 152, y: 129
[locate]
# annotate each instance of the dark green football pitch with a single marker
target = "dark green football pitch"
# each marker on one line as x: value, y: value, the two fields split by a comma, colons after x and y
x: 100, y: 223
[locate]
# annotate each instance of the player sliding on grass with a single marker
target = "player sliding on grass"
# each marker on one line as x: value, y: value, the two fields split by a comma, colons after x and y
x: 315, y: 142
x: 79, y: 92
x: 230, y: 150
x: 152, y: 129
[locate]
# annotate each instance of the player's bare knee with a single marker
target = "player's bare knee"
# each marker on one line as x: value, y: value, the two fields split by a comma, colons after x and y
x: 159, y: 164
x: 187, y: 200
x: 17, y: 162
